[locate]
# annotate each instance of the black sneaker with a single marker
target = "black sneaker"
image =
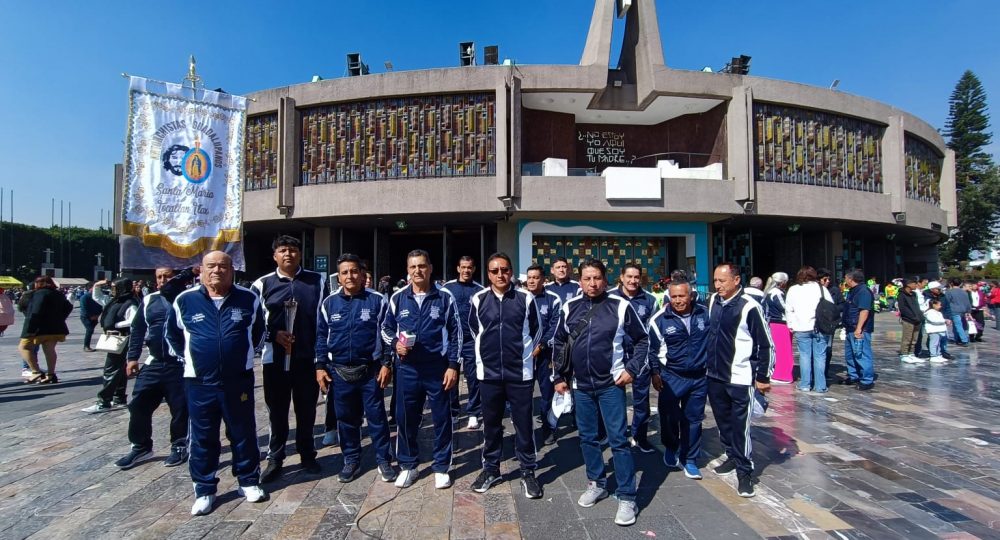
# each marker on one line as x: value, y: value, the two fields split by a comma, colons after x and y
x: 348, y: 473
x: 386, y: 472
x: 745, y: 488
x: 866, y: 387
x: 848, y: 382
x: 485, y: 481
x: 133, y: 458
x: 728, y: 467
x: 548, y: 435
x: 947, y: 356
x: 271, y: 472
x: 178, y: 455
x: 311, y: 466
x: 532, y: 489
x: 643, y: 446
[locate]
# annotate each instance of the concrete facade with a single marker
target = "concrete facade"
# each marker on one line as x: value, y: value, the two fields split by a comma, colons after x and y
x: 631, y: 88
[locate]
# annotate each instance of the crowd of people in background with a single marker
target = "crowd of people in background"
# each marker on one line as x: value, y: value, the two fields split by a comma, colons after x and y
x: 350, y: 339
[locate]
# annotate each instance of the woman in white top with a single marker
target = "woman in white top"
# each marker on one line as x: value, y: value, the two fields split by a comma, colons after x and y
x: 800, y: 315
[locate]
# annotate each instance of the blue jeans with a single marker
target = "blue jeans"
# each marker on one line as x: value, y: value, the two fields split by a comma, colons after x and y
x: 858, y: 357
x: 610, y: 404
x: 935, y: 342
x: 812, y: 360
x: 958, y: 329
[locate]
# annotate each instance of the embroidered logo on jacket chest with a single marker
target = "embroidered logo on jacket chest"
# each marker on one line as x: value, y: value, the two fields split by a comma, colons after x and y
x: 641, y: 310
x: 435, y: 312
x: 236, y: 314
x: 366, y: 314
x: 543, y: 310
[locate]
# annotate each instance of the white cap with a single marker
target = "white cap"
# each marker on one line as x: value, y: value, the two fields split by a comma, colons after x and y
x: 934, y: 285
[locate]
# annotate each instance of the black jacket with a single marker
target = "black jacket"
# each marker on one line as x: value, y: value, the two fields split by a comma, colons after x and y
x: 909, y: 308
x: 46, y: 314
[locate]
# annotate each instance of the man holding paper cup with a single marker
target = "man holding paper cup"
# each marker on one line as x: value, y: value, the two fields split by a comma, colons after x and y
x: 422, y: 327
x: 291, y: 296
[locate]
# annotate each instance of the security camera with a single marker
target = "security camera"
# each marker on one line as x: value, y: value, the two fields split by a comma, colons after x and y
x: 748, y: 206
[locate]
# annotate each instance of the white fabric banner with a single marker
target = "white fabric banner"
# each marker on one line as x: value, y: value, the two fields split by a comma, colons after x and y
x: 183, y: 175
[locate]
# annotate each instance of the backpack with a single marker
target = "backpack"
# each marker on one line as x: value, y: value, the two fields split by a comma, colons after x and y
x: 828, y: 315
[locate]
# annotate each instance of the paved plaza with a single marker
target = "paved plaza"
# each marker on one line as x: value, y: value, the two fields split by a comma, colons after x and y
x: 916, y: 458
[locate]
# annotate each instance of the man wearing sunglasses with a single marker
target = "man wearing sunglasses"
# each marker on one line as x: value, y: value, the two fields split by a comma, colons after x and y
x: 505, y: 327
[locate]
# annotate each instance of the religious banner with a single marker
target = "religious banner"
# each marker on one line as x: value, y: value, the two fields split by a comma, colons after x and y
x: 183, y: 175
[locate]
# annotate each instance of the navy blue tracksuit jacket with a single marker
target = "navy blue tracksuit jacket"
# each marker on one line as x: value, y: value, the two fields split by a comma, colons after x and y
x: 676, y: 349
x: 598, y: 356
x: 348, y: 331
x: 217, y: 344
x: 307, y: 288
x: 435, y: 323
x: 505, y: 330
x: 739, y: 342
x: 564, y: 291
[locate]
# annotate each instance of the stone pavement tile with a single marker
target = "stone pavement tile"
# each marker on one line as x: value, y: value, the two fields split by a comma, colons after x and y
x: 165, y: 526
x: 335, y: 525
x: 822, y: 518
x: 498, y: 505
x: 64, y: 526
x: 978, y: 529
x: 553, y: 529
x: 556, y: 502
x: 468, y: 517
x: 402, y: 523
x: 287, y: 500
x: 302, y: 523
x: 503, y: 531
x: 227, y: 529
x: 661, y: 526
x: 144, y: 516
x: 908, y: 529
x: 702, y: 514
x: 872, y: 527
x: 265, y: 527
x: 753, y: 516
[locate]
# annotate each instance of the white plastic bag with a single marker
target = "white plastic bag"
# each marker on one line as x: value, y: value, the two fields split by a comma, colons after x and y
x: 561, y: 404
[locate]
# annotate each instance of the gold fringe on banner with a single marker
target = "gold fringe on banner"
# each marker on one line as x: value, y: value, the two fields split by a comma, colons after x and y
x: 184, y: 251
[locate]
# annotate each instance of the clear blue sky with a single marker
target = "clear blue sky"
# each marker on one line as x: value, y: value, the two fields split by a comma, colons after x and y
x: 63, y: 103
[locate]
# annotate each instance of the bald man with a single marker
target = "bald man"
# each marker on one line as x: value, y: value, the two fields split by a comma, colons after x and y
x: 216, y: 327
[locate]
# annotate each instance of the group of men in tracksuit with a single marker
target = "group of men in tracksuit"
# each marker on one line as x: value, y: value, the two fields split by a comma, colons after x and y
x: 506, y: 339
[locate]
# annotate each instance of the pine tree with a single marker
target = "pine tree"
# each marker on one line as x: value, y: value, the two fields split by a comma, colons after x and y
x: 966, y: 129
x: 976, y: 179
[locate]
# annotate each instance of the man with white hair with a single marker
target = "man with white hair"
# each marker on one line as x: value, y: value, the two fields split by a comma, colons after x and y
x: 217, y: 326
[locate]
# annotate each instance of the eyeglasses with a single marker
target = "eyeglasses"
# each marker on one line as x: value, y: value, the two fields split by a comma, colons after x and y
x: 496, y: 271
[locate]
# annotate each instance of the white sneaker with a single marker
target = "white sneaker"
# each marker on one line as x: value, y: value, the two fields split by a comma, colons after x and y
x: 442, y: 480
x: 938, y: 359
x: 26, y: 373
x: 406, y: 478
x: 910, y: 359
x: 253, y: 493
x: 330, y: 438
x: 202, y: 505
x: 473, y: 422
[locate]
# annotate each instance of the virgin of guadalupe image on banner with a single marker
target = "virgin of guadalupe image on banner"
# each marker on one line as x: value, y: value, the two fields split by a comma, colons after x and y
x: 182, y: 193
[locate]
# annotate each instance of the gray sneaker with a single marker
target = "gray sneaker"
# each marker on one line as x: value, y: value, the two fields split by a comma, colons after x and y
x: 626, y: 513
x: 593, y: 494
